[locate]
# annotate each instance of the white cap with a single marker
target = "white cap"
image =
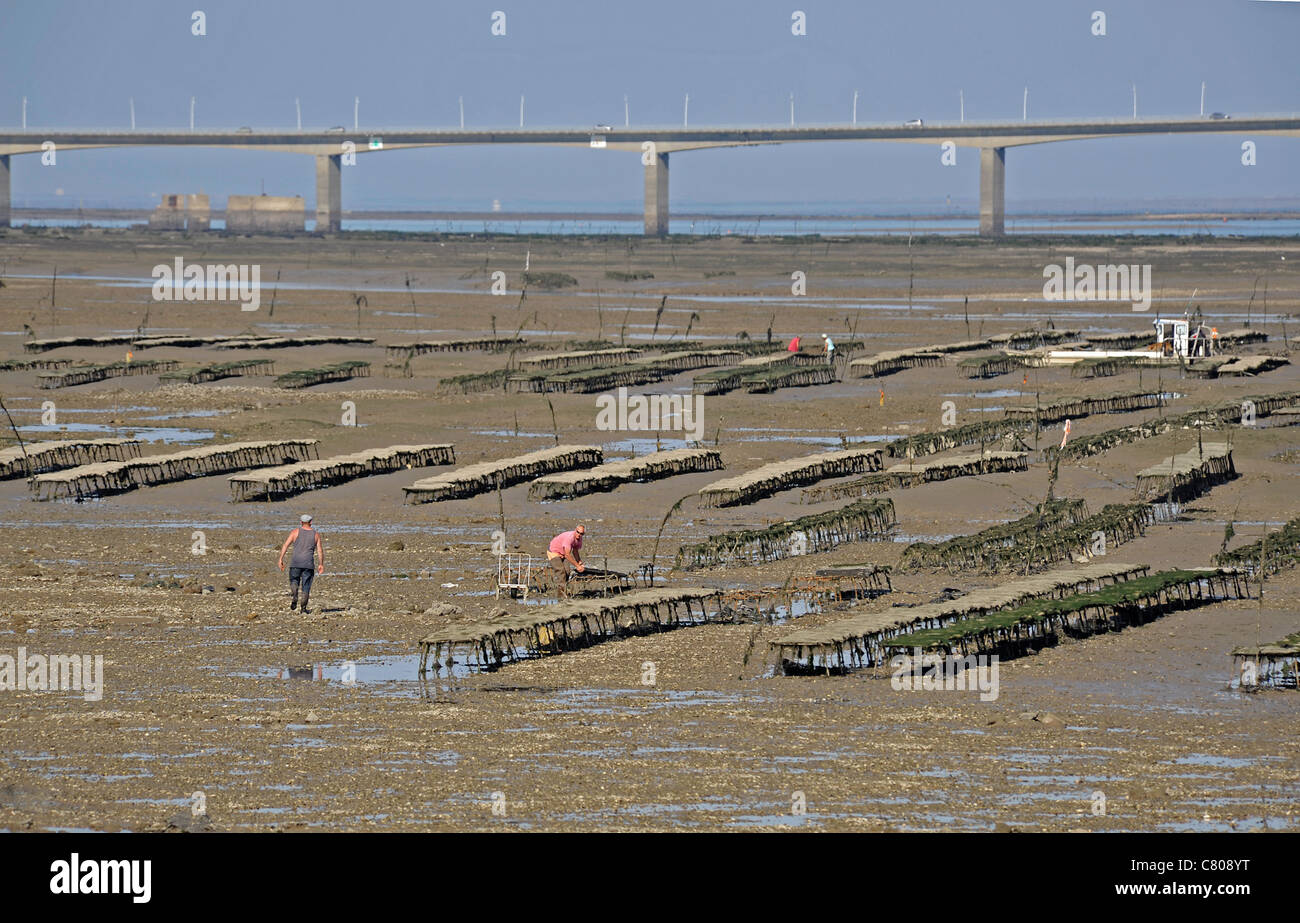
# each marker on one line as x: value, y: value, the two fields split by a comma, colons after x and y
x: 306, y: 517
x: 824, y: 337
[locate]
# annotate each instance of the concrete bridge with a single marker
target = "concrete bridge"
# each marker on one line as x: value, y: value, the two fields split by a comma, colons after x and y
x: 655, y: 145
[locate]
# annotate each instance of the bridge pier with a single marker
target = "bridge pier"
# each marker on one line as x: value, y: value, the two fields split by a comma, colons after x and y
x: 656, y: 196
x: 4, y: 190
x: 329, y: 193
x: 993, y: 169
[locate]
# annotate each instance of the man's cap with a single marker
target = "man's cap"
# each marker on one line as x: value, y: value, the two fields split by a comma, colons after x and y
x: 825, y: 337
x: 306, y: 517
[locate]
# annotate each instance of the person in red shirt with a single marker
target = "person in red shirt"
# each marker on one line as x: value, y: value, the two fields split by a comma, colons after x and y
x: 565, y: 549
x: 794, y: 346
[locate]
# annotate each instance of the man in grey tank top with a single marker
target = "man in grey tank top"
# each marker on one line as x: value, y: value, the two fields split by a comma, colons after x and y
x: 306, y: 545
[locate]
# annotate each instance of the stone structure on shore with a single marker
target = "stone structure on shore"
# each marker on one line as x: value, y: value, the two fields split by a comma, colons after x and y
x: 251, y: 213
x: 182, y: 212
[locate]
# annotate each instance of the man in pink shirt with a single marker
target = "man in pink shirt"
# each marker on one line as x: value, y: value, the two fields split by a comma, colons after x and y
x: 563, y: 551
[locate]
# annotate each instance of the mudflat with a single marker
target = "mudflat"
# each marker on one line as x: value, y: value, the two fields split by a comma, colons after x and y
x: 286, y: 721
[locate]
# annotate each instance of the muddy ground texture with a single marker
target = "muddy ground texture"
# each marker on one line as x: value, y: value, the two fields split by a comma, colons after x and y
x: 213, y: 686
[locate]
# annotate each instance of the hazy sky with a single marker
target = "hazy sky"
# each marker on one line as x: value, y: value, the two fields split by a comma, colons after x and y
x: 79, y: 62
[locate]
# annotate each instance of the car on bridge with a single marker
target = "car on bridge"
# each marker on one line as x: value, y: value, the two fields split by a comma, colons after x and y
x: 914, y: 123
x: 1220, y: 115
x: 602, y: 128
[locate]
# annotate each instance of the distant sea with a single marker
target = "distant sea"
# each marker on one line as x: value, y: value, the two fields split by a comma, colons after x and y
x: 754, y: 224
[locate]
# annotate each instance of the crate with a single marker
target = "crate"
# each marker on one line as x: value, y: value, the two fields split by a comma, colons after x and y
x: 514, y: 574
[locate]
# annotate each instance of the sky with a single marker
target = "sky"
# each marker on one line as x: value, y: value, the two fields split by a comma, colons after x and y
x: 79, y: 62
